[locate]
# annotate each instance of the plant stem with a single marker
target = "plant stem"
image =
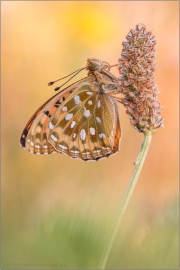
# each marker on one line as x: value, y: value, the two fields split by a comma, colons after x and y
x: 132, y: 183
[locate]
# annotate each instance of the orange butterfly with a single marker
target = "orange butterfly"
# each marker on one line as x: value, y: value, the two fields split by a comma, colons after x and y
x: 81, y: 121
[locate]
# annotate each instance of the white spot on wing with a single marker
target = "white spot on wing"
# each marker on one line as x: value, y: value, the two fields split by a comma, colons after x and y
x: 73, y: 124
x: 98, y: 119
x: 92, y: 131
x: 54, y: 138
x: 74, y: 135
x: 87, y: 113
x: 99, y: 104
x: 38, y: 146
x: 77, y: 99
x: 90, y: 102
x: 87, y: 83
x: 102, y: 135
x: 64, y: 109
x: 87, y: 153
x: 106, y: 148
x: 45, y: 146
x: 89, y: 93
x: 51, y: 126
x: 96, y: 151
x: 83, y: 134
x: 68, y: 116
x: 74, y: 151
x: 63, y: 146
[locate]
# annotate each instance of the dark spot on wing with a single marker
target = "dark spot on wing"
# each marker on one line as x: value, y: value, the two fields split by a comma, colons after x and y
x: 58, y: 102
x: 46, y: 112
x: 38, y: 135
x: 97, y: 158
x: 40, y: 124
x: 23, y: 137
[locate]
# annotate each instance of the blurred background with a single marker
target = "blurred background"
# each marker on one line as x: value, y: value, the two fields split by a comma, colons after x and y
x: 57, y: 212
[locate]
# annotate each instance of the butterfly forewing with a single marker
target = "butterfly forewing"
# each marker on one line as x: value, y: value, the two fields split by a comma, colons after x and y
x: 82, y: 121
x: 33, y: 137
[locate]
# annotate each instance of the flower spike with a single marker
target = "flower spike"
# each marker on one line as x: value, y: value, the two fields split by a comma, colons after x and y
x: 136, y: 67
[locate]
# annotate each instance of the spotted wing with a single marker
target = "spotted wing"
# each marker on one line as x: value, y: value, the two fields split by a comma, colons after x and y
x: 33, y: 137
x: 86, y: 125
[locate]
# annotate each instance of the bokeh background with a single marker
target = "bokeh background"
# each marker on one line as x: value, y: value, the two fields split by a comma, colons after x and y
x: 57, y: 212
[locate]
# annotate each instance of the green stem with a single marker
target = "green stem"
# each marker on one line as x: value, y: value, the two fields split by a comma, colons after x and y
x: 132, y: 183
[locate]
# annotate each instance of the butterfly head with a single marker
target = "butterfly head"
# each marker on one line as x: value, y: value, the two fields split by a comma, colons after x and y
x: 94, y: 64
x: 100, y: 70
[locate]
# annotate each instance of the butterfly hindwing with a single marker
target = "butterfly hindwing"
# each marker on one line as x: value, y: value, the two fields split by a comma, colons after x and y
x: 63, y: 127
x: 83, y: 125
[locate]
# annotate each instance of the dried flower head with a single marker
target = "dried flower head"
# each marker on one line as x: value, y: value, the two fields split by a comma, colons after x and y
x: 136, y: 67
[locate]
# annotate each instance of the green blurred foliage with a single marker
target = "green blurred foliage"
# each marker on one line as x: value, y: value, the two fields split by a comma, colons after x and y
x: 78, y: 241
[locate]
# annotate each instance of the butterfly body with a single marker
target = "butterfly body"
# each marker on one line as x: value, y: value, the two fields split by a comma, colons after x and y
x: 82, y: 121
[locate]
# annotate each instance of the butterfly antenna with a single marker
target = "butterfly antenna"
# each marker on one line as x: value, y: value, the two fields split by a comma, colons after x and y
x: 114, y: 65
x: 76, y: 72
x: 108, y: 66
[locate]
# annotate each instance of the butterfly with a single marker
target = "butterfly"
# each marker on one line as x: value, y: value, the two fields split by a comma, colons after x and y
x: 81, y: 121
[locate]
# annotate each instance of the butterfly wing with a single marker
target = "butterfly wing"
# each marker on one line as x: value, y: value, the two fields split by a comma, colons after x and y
x: 33, y: 137
x: 86, y: 125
